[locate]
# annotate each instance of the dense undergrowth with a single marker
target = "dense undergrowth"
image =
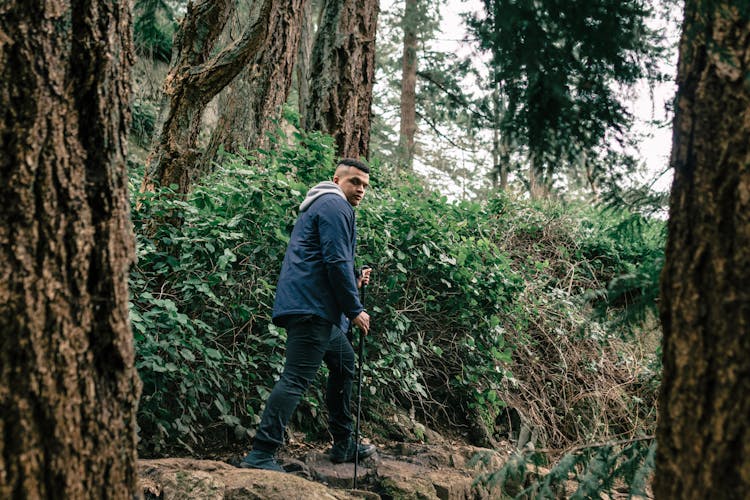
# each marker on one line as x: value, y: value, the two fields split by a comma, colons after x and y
x: 496, y: 319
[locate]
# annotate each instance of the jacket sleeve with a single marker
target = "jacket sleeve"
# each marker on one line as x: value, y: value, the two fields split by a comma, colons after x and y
x: 336, y: 229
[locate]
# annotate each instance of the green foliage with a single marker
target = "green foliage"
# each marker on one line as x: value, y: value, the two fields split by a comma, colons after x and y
x: 617, y: 254
x: 561, y: 67
x: 588, y: 472
x: 202, y: 291
x: 628, y: 251
x: 461, y: 294
x: 438, y: 296
x: 312, y: 161
x: 574, y: 341
x: 153, y: 28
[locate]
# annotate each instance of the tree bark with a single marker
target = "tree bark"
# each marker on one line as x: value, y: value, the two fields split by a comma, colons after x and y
x: 304, y: 54
x: 68, y: 387
x: 343, y: 69
x: 537, y: 188
x: 703, y: 429
x: 264, y: 86
x: 194, y: 79
x: 408, y: 126
x: 500, y: 143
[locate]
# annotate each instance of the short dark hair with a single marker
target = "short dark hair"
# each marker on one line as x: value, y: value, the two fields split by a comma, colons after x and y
x: 352, y: 162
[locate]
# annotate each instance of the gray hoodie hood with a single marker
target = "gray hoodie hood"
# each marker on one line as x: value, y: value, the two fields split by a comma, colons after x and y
x: 325, y: 187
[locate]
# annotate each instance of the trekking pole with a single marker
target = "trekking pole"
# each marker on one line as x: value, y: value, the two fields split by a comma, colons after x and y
x: 361, y: 353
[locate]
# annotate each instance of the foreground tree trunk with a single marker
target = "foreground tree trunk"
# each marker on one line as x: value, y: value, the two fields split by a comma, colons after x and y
x: 194, y: 79
x: 68, y: 387
x: 408, y: 126
x: 704, y: 432
x: 264, y: 86
x: 343, y: 69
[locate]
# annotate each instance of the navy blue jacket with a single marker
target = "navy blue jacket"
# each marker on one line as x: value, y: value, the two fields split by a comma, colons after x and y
x: 317, y: 275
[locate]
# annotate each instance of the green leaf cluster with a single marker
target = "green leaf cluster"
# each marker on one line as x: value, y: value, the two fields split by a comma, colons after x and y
x: 609, y: 468
x: 202, y: 290
x: 440, y: 290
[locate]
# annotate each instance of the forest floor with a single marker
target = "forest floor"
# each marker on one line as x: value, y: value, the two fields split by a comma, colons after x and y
x: 445, y: 469
x: 436, y: 469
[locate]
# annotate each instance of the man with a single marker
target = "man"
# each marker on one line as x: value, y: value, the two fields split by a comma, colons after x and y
x: 316, y: 298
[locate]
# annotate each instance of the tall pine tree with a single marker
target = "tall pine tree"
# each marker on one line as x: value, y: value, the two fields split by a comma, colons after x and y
x: 559, y: 65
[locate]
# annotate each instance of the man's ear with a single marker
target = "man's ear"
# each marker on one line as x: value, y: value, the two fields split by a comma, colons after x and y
x: 336, y: 179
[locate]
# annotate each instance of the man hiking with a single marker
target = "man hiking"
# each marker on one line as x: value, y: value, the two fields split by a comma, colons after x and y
x: 316, y: 298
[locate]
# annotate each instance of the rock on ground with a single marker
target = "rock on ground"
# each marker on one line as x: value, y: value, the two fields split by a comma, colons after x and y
x: 184, y: 478
x: 403, y: 471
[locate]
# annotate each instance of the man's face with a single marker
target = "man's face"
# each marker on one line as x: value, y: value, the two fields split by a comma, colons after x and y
x: 353, y: 182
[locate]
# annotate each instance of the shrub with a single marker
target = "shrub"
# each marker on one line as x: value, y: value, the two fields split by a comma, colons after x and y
x: 480, y: 310
x: 202, y: 291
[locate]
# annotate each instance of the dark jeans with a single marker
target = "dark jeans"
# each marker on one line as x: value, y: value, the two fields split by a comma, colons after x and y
x: 310, y: 340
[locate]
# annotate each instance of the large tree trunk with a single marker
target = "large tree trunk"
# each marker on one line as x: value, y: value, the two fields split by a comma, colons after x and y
x: 193, y: 80
x: 233, y: 124
x: 68, y: 387
x: 263, y: 86
x: 408, y: 87
x: 343, y: 67
x: 703, y: 430
x: 304, y: 54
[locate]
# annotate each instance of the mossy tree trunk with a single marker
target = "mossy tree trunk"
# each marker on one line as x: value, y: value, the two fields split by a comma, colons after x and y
x: 342, y: 75
x: 68, y: 386
x: 253, y: 106
x: 703, y: 431
x: 195, y: 77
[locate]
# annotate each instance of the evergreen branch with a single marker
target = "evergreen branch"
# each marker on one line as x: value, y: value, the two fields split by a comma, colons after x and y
x: 459, y: 99
x: 442, y: 135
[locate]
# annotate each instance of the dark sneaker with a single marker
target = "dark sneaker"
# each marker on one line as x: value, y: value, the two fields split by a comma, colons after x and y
x: 257, y: 459
x: 343, y: 451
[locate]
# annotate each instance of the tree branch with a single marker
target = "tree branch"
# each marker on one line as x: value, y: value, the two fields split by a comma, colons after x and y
x: 440, y: 134
x: 459, y: 99
x: 220, y: 70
